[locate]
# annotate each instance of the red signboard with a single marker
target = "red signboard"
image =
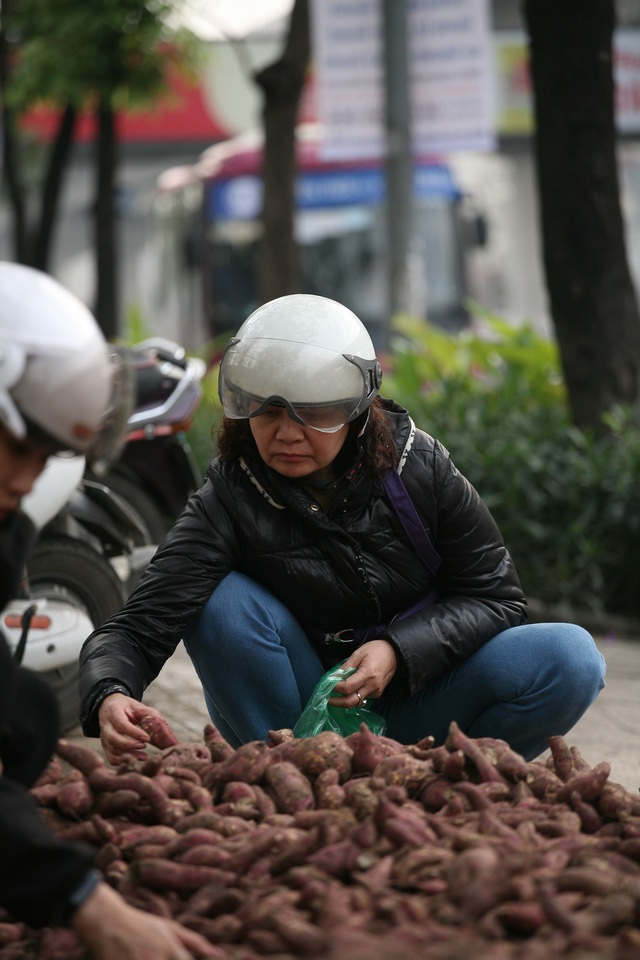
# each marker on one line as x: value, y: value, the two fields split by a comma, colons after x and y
x: 182, y: 115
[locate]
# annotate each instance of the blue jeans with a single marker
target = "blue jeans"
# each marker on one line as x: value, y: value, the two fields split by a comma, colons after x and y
x: 258, y: 670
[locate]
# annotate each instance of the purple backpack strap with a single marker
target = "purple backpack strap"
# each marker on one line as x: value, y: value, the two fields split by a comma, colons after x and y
x: 410, y: 520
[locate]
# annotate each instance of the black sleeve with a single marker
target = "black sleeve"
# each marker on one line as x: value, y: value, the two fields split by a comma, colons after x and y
x: 480, y: 592
x: 38, y: 872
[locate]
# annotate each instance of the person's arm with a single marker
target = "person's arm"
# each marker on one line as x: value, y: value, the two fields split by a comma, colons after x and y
x: 481, y: 594
x: 479, y: 590
x: 130, y: 649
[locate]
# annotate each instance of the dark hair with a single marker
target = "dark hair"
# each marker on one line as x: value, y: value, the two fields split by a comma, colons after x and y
x: 378, y: 447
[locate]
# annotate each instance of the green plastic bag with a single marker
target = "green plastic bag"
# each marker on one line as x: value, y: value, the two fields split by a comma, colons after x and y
x: 318, y: 715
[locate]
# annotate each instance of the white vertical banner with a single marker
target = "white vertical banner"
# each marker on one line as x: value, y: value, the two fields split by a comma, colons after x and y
x: 347, y: 64
x: 451, y: 71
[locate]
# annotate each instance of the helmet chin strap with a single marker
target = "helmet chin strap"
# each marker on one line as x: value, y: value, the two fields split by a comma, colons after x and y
x: 344, y: 474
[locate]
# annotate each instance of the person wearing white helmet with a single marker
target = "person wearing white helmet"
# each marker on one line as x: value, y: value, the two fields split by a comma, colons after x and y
x: 329, y: 528
x: 60, y: 391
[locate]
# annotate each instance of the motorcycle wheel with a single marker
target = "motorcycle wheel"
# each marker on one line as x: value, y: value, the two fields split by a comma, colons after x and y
x: 64, y: 569
x: 149, y: 513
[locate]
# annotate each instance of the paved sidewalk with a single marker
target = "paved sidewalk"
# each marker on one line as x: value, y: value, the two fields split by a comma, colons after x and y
x: 609, y: 730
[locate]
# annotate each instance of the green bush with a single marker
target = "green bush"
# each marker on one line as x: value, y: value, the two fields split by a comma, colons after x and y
x: 203, y: 429
x: 568, y: 504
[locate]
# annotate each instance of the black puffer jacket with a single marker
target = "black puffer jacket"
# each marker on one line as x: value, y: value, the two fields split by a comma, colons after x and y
x: 353, y: 567
x: 37, y: 870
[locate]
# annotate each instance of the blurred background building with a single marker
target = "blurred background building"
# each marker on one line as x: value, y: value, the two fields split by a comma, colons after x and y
x: 491, y: 192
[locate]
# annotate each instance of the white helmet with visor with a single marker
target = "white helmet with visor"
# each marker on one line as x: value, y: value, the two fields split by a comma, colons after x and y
x: 306, y: 353
x: 59, y: 381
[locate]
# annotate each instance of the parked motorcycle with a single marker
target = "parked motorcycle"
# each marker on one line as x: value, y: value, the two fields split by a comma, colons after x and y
x: 82, y: 567
x: 98, y: 532
x: 156, y: 472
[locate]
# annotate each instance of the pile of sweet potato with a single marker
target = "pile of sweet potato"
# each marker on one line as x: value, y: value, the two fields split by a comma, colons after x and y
x: 357, y: 848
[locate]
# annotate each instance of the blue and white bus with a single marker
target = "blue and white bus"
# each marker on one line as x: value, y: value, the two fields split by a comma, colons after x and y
x: 212, y: 212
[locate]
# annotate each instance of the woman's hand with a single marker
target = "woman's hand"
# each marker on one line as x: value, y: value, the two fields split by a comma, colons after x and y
x: 375, y: 664
x: 120, y: 733
x: 114, y: 930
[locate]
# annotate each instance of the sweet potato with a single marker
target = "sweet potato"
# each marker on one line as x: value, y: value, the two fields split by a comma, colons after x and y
x: 616, y: 803
x: 219, y: 748
x: 588, y: 786
x: 457, y: 740
x: 52, y: 773
x: 160, y: 733
x: 248, y: 764
x: 589, y: 817
x: 107, y: 853
x: 452, y: 765
x: 204, y: 855
x: 194, y: 837
x: 403, y: 770
x: 327, y: 750
x: 520, y: 918
x: 197, y: 796
x: 226, y: 826
x: 265, y: 804
x: 224, y: 928
x: 167, y: 811
x: 82, y: 758
x: 284, y: 735
x: 288, y: 787
x: 333, y: 825
x: 435, y: 792
x: 297, y: 853
x: 360, y: 797
x: 211, y: 901
x: 297, y: 933
x: 157, y: 834
x: 407, y: 830
x: 45, y: 794
x: 237, y: 790
x: 84, y: 831
x: 74, y: 799
x: 369, y: 749
x: 512, y: 766
x: 11, y: 932
x: 116, y: 803
x: 189, y: 756
x: 607, y: 914
x: 329, y: 792
x: 162, y: 874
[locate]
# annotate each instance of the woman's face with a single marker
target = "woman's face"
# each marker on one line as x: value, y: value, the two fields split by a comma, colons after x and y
x: 21, y: 462
x: 293, y: 450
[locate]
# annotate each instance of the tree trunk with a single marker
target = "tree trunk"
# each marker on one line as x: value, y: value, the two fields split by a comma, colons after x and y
x: 592, y: 299
x: 282, y: 84
x: 10, y: 161
x: 106, y: 308
x: 40, y: 243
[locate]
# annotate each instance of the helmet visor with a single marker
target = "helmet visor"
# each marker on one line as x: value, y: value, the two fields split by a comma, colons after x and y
x: 110, y: 439
x: 319, y: 388
x: 325, y: 418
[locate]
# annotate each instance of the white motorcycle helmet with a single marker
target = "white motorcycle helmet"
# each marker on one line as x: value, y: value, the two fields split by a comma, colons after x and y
x: 309, y: 354
x: 59, y: 381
